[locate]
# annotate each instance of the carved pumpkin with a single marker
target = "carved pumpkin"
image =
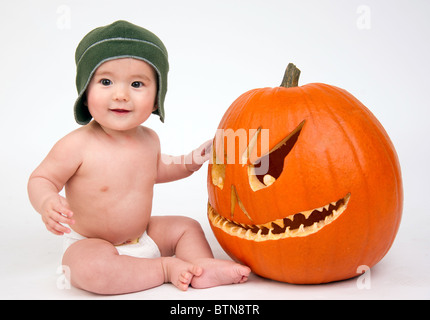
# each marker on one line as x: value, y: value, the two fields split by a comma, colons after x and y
x: 330, y: 196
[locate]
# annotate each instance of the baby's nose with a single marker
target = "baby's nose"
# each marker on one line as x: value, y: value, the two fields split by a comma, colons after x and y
x: 121, y: 94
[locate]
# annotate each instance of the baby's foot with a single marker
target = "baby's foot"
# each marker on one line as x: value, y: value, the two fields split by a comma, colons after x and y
x: 179, y: 272
x: 219, y: 272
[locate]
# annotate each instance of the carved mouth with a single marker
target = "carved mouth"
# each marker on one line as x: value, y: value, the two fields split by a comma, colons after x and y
x: 300, y: 224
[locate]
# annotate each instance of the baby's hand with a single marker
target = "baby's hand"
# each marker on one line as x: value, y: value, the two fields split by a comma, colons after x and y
x: 56, y: 210
x: 195, y: 159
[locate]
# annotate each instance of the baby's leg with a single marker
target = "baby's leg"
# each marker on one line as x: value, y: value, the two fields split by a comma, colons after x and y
x: 185, y: 238
x: 96, y: 266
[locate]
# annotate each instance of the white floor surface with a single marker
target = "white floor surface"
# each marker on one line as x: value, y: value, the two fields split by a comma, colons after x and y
x: 30, y: 270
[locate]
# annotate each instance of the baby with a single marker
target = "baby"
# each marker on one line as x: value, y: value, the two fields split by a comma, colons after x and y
x: 109, y: 167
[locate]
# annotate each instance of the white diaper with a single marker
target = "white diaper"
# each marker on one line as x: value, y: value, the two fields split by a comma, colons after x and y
x: 144, y: 248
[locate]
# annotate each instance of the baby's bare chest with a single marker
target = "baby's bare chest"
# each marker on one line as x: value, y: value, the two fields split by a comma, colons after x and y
x: 124, y: 169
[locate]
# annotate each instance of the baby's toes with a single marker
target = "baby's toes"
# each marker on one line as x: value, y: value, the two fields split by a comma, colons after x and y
x: 184, y: 280
x: 196, y: 270
x: 243, y: 279
x: 185, y: 277
x: 182, y: 286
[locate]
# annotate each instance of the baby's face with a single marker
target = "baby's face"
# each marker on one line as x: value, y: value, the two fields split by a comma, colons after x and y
x: 122, y: 93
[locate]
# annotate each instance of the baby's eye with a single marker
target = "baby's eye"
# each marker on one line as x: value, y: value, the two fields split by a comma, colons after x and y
x: 105, y: 82
x: 137, y: 84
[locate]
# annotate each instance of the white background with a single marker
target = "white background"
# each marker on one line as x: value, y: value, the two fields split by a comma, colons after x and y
x: 377, y: 50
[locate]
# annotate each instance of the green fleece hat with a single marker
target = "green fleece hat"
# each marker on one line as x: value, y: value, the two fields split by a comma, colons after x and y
x: 120, y: 39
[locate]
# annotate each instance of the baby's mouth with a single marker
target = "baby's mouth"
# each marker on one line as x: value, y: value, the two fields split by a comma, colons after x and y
x: 120, y: 111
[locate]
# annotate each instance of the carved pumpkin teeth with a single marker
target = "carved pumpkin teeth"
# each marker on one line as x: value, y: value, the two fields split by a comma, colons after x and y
x: 298, y: 225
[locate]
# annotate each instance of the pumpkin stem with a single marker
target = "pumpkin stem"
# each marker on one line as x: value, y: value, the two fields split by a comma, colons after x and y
x: 291, y: 77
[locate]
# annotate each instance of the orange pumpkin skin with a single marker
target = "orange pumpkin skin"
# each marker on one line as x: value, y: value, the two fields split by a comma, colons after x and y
x: 342, y: 151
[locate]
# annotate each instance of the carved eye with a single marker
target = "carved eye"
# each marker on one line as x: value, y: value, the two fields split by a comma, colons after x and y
x: 218, y: 168
x: 263, y: 172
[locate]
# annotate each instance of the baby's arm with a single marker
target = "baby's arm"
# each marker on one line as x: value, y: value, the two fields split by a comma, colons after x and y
x: 49, y: 179
x: 172, y: 168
